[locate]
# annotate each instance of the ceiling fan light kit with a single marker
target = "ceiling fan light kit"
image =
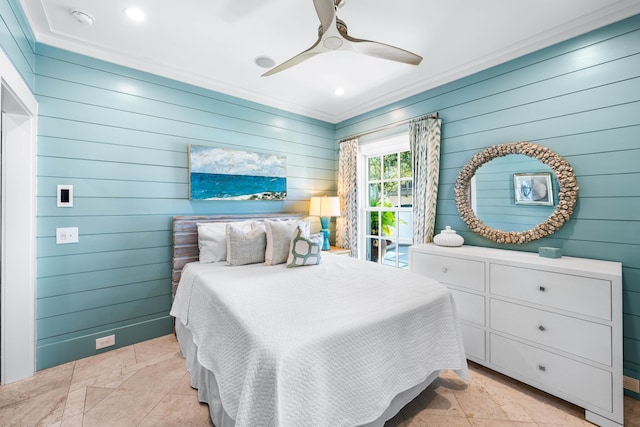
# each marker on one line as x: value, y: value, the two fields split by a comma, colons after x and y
x: 333, y: 35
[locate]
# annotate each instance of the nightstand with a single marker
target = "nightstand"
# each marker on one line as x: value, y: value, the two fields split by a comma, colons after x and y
x: 340, y: 251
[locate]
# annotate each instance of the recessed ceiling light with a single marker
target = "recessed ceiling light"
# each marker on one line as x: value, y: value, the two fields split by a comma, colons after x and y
x: 82, y: 17
x: 134, y: 14
x: 264, y: 62
x: 339, y: 91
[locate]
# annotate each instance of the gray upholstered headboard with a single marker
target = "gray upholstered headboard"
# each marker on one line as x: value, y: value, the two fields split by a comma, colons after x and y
x: 185, y: 237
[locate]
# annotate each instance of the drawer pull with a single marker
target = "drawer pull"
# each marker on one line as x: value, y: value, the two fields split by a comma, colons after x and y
x: 542, y: 288
x: 542, y: 368
x: 445, y: 269
x: 542, y: 328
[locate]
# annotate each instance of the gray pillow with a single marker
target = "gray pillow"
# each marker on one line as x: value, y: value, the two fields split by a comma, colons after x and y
x: 279, y: 234
x: 212, y: 240
x: 245, y: 248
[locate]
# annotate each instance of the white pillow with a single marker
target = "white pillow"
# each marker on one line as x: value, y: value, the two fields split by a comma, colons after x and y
x: 305, y: 250
x: 279, y: 234
x: 245, y: 247
x: 212, y: 239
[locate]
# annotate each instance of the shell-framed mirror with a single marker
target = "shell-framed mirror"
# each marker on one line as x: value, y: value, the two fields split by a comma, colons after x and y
x: 565, y: 197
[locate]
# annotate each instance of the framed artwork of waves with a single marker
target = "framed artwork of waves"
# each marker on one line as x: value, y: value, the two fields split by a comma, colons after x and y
x: 224, y: 174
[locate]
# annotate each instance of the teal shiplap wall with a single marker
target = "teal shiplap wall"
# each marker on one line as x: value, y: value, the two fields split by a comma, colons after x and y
x: 17, y: 40
x: 120, y: 137
x: 581, y: 98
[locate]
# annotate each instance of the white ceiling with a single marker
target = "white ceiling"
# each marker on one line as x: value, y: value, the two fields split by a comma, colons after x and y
x: 213, y: 43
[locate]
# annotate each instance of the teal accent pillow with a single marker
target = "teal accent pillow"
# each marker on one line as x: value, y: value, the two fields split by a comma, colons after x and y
x: 305, y: 250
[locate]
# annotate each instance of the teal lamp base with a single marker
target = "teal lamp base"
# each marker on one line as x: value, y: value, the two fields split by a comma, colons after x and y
x: 324, y: 223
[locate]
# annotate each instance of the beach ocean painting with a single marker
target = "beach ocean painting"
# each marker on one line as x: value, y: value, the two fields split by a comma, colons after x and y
x: 224, y: 174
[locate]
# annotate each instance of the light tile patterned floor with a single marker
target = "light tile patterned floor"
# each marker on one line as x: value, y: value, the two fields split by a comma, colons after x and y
x: 146, y: 384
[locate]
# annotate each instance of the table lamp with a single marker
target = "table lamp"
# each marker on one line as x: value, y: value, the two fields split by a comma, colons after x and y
x: 325, y: 207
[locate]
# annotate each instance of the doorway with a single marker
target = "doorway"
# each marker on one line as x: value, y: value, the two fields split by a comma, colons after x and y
x: 17, y: 232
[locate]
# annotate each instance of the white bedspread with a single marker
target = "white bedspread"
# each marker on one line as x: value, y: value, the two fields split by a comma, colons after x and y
x: 327, y: 345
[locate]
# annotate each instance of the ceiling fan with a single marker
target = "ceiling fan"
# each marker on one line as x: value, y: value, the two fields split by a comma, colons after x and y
x: 332, y: 35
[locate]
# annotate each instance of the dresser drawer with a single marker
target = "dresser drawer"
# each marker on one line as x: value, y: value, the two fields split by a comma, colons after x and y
x: 474, y: 342
x: 582, y: 295
x: 470, y: 307
x: 580, y: 337
x: 449, y: 270
x: 553, y: 372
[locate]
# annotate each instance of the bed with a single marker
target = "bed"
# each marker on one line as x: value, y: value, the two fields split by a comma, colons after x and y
x: 341, y: 343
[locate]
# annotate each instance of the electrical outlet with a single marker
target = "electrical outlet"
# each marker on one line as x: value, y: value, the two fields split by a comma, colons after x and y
x: 105, y: 342
x: 631, y: 384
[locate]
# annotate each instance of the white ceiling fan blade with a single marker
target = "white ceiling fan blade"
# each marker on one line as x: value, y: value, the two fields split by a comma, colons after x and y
x: 326, y: 13
x: 303, y: 56
x: 381, y: 50
x: 333, y: 36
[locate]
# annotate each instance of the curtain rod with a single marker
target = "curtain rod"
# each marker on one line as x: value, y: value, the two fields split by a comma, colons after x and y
x: 390, y: 126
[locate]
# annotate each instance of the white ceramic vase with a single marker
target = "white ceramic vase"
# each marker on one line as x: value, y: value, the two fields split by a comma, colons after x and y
x: 448, y: 237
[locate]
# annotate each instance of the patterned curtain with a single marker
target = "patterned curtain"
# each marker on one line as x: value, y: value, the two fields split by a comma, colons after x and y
x: 424, y: 140
x: 347, y: 222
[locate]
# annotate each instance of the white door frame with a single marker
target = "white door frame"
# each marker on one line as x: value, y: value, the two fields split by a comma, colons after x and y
x: 383, y: 145
x: 18, y: 263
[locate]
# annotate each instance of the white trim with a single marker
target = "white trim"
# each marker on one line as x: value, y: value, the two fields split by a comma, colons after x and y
x: 610, y: 13
x: 18, y: 264
x: 392, y: 144
x: 379, y: 147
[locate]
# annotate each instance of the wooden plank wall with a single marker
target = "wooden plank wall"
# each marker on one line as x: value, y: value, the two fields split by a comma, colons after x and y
x: 17, y: 40
x: 581, y: 98
x: 120, y: 137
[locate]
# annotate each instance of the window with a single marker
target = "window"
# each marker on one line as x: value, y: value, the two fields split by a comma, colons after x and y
x: 387, y: 202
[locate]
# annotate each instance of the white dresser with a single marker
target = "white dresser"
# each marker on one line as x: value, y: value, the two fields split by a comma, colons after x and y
x: 555, y: 324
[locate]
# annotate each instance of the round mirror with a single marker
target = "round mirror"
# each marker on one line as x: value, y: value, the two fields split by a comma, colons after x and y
x: 516, y: 193
x: 513, y: 193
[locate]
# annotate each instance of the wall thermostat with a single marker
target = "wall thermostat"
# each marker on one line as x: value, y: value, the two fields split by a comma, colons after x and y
x: 65, y: 196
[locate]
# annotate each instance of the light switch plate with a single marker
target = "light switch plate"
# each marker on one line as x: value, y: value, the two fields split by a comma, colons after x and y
x: 66, y: 235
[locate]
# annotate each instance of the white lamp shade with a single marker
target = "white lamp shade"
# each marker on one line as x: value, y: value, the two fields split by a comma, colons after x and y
x: 324, y: 206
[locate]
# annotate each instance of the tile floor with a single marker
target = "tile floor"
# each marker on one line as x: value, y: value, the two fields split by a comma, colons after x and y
x: 146, y: 384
